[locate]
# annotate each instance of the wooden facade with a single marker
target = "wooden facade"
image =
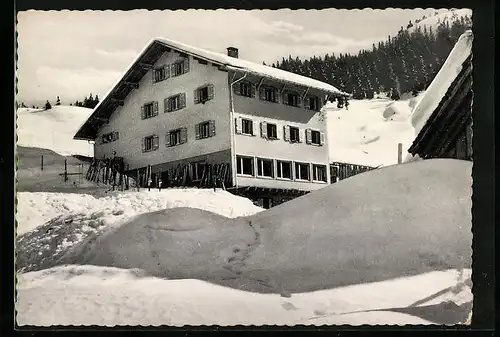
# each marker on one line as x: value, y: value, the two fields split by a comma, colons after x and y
x: 448, y: 131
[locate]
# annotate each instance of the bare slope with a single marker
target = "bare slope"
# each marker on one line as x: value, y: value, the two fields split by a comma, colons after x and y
x: 393, y: 222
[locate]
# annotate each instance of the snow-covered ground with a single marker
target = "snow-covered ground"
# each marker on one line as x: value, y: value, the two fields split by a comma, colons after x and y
x: 89, y: 295
x: 53, y: 129
x: 419, y: 239
x: 34, y: 209
x: 442, y: 16
x: 369, y: 132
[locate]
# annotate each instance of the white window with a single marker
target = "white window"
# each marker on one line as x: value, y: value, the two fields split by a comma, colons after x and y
x: 315, y: 137
x: 268, y: 130
x: 302, y: 171
x: 205, y: 129
x: 284, y: 169
x: 312, y: 103
x: 291, y: 98
x: 150, y: 143
x: 319, y: 173
x: 244, y: 165
x: 265, y: 168
x: 294, y: 134
x: 176, y: 137
x: 149, y: 110
x: 268, y: 93
x: 175, y: 102
x: 246, y: 126
x: 110, y: 137
x: 180, y: 67
x: 161, y: 73
x: 245, y: 89
x: 204, y: 93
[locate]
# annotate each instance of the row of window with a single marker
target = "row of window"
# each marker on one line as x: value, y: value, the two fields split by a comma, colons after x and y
x: 280, y: 169
x: 272, y: 94
x: 166, y: 71
x: 179, y: 136
x: 177, y: 101
x: 292, y: 134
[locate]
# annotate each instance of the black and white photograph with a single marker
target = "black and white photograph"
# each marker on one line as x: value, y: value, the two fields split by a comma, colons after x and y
x: 244, y: 167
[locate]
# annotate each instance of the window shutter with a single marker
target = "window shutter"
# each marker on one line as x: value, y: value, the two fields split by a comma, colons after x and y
x: 144, y: 145
x: 263, y: 129
x: 210, y: 91
x: 183, y: 135
x: 262, y: 93
x: 212, y: 128
x: 237, y: 122
x: 172, y: 70
x: 143, y: 113
x: 301, y: 136
x: 307, y: 103
x: 196, y: 95
x: 182, y: 101
x: 155, y: 108
x: 237, y: 88
x: 308, y: 136
x: 321, y: 138
x: 252, y: 89
x: 286, y: 133
x: 186, y: 65
x: 197, y: 131
x: 166, y: 105
x: 156, y: 143
x: 299, y: 100
x: 167, y: 139
x: 167, y: 71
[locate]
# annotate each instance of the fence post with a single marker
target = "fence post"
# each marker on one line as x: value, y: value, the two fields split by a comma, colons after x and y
x: 65, y: 170
x: 400, y: 153
x: 42, y: 162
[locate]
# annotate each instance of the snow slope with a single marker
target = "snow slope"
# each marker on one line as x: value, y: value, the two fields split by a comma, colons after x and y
x: 369, y: 132
x: 439, y: 86
x: 53, y: 129
x: 88, y: 295
x: 35, y: 209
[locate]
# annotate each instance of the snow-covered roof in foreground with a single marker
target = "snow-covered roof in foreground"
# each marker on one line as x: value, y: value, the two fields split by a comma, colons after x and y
x: 251, y: 67
x: 439, y: 86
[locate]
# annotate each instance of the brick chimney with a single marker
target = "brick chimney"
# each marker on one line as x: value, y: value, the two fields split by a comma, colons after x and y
x: 232, y: 51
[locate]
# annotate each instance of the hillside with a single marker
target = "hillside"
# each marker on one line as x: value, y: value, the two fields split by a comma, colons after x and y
x: 53, y: 129
x: 369, y: 132
x: 435, y: 20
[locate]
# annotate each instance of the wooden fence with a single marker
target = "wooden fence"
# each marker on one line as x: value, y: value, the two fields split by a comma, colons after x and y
x: 340, y: 171
x: 108, y: 171
x: 207, y: 176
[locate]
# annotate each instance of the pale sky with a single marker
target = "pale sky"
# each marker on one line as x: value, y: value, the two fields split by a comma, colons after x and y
x: 71, y: 53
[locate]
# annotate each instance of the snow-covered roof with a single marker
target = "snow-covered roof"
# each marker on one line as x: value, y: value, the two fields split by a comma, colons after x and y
x: 150, y: 54
x: 441, y: 83
x: 251, y: 67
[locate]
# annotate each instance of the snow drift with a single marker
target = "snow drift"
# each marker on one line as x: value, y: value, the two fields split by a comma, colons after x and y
x: 394, y: 222
x: 88, y: 295
x: 35, y: 209
x: 53, y: 129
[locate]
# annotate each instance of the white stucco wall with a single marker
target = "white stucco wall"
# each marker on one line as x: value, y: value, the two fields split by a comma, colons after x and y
x: 132, y: 129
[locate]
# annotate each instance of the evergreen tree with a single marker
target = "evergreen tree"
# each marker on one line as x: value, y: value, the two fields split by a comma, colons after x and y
x: 48, y: 106
x: 58, y: 102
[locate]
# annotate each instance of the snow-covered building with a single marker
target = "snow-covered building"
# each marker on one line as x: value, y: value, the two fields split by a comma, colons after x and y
x: 178, y: 108
x: 443, y: 117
